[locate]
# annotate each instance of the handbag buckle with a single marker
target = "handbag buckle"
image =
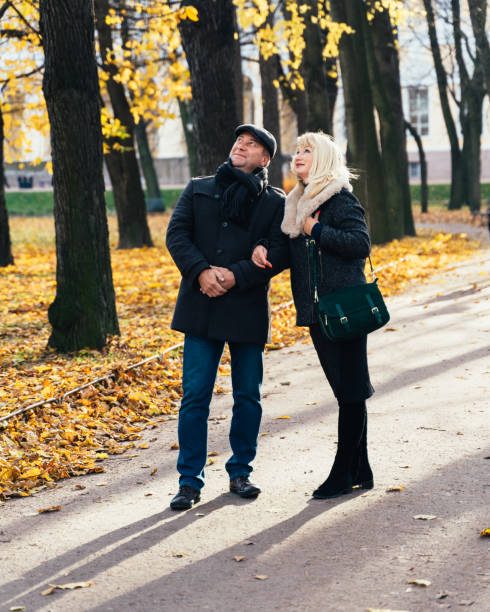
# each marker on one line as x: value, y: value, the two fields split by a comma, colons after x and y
x: 374, y: 310
x: 344, y: 320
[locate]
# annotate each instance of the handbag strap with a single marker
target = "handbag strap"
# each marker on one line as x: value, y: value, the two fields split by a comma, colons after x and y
x: 312, y: 255
x: 311, y: 252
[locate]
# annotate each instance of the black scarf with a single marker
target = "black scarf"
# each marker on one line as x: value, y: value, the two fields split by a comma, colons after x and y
x: 241, y: 191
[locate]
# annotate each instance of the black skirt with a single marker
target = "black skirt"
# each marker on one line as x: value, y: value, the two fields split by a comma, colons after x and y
x: 345, y: 366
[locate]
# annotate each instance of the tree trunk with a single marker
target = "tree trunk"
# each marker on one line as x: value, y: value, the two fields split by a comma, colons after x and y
x: 296, y: 98
x: 384, y: 74
x: 84, y: 310
x: 364, y: 155
x: 185, y: 107
x: 478, y: 15
x: 319, y: 115
x: 129, y: 198
x: 456, y: 196
x: 472, y: 95
x: 471, y: 154
x: 270, y: 114
x: 424, y: 199
x: 154, y: 199
x: 6, y: 258
x: 216, y: 80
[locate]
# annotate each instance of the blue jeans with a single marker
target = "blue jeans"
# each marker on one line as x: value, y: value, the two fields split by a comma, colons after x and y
x: 201, y: 361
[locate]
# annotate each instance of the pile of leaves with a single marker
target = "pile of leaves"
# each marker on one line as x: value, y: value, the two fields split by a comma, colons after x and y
x: 72, y: 434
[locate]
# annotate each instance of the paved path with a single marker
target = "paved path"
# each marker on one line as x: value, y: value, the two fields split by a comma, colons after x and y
x: 428, y: 432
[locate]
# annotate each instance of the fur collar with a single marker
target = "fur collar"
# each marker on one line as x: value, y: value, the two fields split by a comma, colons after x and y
x: 300, y: 205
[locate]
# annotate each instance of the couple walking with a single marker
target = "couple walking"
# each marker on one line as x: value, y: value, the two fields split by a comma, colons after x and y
x: 229, y: 235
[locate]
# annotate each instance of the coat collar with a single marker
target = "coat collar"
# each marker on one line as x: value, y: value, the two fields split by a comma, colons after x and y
x: 300, y: 204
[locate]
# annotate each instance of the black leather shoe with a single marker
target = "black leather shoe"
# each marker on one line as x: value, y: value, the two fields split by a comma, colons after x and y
x: 242, y: 486
x: 185, y: 498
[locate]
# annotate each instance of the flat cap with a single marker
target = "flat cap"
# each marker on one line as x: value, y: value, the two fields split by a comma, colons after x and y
x: 261, y: 134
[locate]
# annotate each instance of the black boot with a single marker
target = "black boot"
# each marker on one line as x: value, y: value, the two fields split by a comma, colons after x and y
x: 339, y: 480
x: 350, y: 429
x: 362, y: 475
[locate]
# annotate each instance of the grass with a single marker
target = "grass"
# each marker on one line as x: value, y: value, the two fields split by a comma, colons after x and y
x: 40, y: 203
x: 439, y: 194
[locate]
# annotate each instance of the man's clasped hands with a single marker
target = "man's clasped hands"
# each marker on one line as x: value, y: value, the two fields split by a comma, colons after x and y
x: 216, y: 281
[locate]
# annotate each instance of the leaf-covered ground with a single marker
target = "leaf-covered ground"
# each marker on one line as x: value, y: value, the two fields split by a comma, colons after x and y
x: 72, y: 435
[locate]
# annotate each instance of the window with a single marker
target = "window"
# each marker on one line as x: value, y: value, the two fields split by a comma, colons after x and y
x: 418, y: 109
x: 414, y: 170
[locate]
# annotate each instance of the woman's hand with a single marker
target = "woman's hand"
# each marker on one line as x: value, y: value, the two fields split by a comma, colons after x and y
x: 259, y: 257
x: 310, y: 222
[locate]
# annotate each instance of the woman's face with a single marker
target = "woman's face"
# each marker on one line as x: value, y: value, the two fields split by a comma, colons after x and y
x: 302, y: 160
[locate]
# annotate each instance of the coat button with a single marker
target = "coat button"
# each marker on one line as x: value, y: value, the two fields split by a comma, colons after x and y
x: 225, y: 224
x: 219, y: 251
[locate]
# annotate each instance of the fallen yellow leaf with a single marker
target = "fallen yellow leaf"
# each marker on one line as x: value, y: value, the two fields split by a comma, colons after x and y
x: 67, y: 586
x: 420, y: 582
x: 31, y: 473
x: 49, y: 509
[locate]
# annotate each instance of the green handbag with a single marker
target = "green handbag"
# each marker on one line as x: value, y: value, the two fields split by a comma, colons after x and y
x: 350, y: 312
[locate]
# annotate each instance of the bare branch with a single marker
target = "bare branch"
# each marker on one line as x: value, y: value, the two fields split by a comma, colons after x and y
x: 12, y: 33
x: 22, y: 18
x: 24, y: 75
x: 4, y: 8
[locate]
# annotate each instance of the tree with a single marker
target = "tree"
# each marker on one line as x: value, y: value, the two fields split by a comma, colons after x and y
x: 319, y: 73
x: 424, y: 195
x: 384, y: 76
x: 297, y: 37
x: 83, y: 312
x: 456, y: 193
x: 471, y: 57
x: 216, y: 79
x: 5, y: 248
x: 478, y: 15
x: 16, y: 66
x: 129, y: 198
x: 472, y: 93
x: 374, y: 116
x: 270, y: 109
x: 185, y: 108
x: 363, y: 152
x: 154, y: 199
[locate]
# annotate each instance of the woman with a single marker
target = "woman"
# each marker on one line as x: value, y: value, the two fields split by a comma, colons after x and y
x: 322, y: 207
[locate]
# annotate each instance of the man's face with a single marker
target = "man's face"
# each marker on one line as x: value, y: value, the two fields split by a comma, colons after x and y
x: 247, y: 153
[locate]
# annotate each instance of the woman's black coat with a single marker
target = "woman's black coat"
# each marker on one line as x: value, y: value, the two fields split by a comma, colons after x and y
x: 198, y: 236
x: 343, y: 246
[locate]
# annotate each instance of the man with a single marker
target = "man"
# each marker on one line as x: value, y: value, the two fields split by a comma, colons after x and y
x: 223, y: 297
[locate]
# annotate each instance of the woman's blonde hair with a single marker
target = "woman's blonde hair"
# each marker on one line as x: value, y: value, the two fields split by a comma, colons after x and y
x: 328, y: 161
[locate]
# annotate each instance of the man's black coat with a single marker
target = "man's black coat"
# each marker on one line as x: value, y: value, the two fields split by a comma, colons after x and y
x: 198, y: 236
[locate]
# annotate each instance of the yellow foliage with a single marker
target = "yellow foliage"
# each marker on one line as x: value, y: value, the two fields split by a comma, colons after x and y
x: 151, y: 82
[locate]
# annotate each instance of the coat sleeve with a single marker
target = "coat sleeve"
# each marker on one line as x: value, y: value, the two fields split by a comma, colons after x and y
x: 247, y: 274
x: 187, y: 257
x: 349, y: 237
